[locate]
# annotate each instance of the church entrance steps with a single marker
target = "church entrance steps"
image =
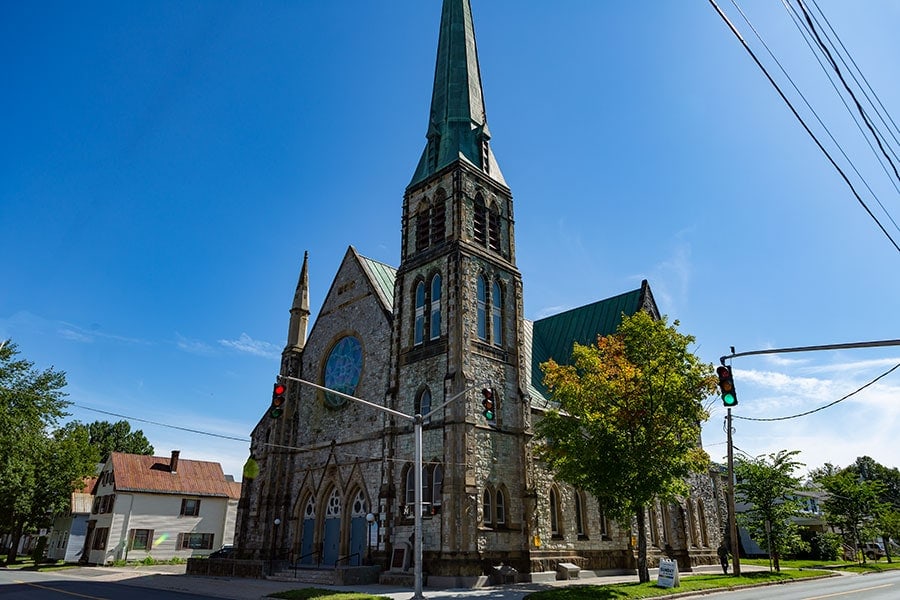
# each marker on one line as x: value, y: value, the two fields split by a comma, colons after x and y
x: 328, y: 576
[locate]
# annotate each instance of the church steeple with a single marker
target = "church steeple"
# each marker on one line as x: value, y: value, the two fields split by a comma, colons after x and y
x: 457, y: 127
x: 296, y: 338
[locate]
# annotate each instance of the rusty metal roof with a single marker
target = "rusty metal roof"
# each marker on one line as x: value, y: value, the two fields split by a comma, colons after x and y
x: 152, y: 474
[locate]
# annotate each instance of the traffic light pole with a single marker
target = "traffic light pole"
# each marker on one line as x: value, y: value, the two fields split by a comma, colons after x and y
x: 417, y: 420
x: 732, y: 516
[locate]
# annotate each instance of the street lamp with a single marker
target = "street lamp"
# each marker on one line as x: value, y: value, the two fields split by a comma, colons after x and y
x: 276, y: 522
x: 370, y: 518
x: 417, y: 421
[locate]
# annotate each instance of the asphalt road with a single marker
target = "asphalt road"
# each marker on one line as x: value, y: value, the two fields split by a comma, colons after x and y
x: 879, y: 586
x: 27, y: 585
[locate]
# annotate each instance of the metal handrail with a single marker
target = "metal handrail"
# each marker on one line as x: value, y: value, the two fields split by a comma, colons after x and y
x: 347, y: 558
x: 299, y: 560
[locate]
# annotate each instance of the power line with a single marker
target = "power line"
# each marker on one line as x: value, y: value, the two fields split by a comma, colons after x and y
x: 806, y: 127
x: 126, y: 417
x: 830, y: 404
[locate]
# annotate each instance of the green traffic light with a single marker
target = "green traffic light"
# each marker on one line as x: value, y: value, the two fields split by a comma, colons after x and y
x: 489, y: 415
x: 729, y: 399
x: 276, y: 412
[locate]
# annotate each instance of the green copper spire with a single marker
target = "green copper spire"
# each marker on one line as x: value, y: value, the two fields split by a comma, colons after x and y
x: 457, y: 129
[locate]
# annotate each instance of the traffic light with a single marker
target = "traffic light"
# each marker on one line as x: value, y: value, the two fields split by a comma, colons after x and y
x: 489, y: 402
x: 278, y: 400
x: 726, y: 385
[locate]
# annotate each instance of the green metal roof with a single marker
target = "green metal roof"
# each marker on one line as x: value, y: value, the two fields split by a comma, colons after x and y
x: 554, y: 336
x: 383, y: 276
x: 457, y: 126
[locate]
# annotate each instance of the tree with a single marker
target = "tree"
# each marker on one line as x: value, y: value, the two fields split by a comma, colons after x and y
x: 768, y: 485
x: 36, y: 470
x: 853, y: 504
x: 868, y: 469
x: 114, y: 437
x: 628, y: 424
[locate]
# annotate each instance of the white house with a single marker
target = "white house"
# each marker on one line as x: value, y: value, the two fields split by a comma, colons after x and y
x: 159, y: 507
x: 67, y: 535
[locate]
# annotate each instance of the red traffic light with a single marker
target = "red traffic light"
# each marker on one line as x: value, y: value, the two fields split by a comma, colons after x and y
x: 278, y: 400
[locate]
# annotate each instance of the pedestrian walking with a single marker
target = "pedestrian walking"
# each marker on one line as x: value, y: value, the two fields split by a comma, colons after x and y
x: 723, y: 557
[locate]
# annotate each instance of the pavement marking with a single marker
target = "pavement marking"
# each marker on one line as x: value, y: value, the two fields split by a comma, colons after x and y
x: 53, y: 589
x: 868, y: 589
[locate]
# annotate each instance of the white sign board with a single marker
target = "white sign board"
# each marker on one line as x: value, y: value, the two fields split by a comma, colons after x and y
x: 668, y: 574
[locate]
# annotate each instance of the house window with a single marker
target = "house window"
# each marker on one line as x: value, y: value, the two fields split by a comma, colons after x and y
x: 487, y: 508
x: 100, y: 535
x: 435, y: 307
x: 481, y: 299
x: 604, y: 527
x: 190, y: 507
x: 497, y: 314
x: 500, y: 504
x: 141, y: 539
x: 197, y: 541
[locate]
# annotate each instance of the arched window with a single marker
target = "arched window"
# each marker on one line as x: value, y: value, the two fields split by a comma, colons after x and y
x: 435, y: 307
x: 497, y: 314
x: 482, y: 308
x: 423, y: 226
x: 420, y: 314
x: 580, y: 529
x: 500, y: 503
x: 479, y: 221
x: 701, y: 517
x: 410, y: 495
x: 487, y: 507
x: 554, y: 513
x: 437, y: 487
x: 423, y: 402
x: 604, y: 526
x: 494, y: 229
x: 438, y: 212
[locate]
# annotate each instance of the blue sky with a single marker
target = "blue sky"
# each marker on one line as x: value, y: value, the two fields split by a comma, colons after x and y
x: 166, y: 164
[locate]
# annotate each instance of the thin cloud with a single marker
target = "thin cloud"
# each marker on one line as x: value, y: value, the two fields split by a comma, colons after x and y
x: 248, y: 345
x: 193, y: 346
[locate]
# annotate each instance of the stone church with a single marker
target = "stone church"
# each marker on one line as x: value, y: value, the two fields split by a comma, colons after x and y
x: 336, y: 477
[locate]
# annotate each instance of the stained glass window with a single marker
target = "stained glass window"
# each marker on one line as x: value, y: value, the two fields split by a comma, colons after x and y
x: 482, y: 308
x: 343, y: 369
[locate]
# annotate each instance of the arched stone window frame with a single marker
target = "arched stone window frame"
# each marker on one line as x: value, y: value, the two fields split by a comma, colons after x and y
x: 423, y: 225
x: 481, y: 307
x: 556, y: 520
x: 501, y: 506
x: 487, y: 507
x: 497, y: 296
x: 437, y: 487
x: 432, y: 486
x: 438, y: 231
x: 480, y: 221
x: 419, y: 313
x: 435, y: 305
x: 493, y: 226
x: 581, y: 523
x: 423, y: 401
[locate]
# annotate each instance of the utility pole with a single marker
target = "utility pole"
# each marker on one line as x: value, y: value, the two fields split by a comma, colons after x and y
x: 732, y: 515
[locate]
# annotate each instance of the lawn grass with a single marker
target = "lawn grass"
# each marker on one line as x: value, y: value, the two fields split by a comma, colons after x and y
x: 692, y: 583
x: 27, y: 564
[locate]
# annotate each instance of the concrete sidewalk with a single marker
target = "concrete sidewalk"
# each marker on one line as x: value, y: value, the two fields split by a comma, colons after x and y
x: 172, y: 577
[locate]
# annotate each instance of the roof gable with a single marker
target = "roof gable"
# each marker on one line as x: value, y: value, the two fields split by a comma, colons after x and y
x: 153, y: 474
x: 554, y: 336
x: 382, y: 277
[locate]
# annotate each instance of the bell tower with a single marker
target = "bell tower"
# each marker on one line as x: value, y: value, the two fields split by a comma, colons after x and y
x: 458, y: 320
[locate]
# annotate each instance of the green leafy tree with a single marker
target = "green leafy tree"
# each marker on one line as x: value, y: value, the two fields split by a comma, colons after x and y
x: 868, y: 469
x: 36, y: 469
x: 853, y: 504
x: 889, y: 524
x: 114, y: 437
x: 768, y: 485
x: 628, y: 424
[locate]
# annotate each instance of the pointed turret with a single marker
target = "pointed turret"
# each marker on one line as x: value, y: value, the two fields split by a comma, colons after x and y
x: 296, y: 338
x: 457, y: 128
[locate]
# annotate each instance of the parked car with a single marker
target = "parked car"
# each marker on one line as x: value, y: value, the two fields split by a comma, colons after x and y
x: 226, y: 551
x: 872, y: 550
